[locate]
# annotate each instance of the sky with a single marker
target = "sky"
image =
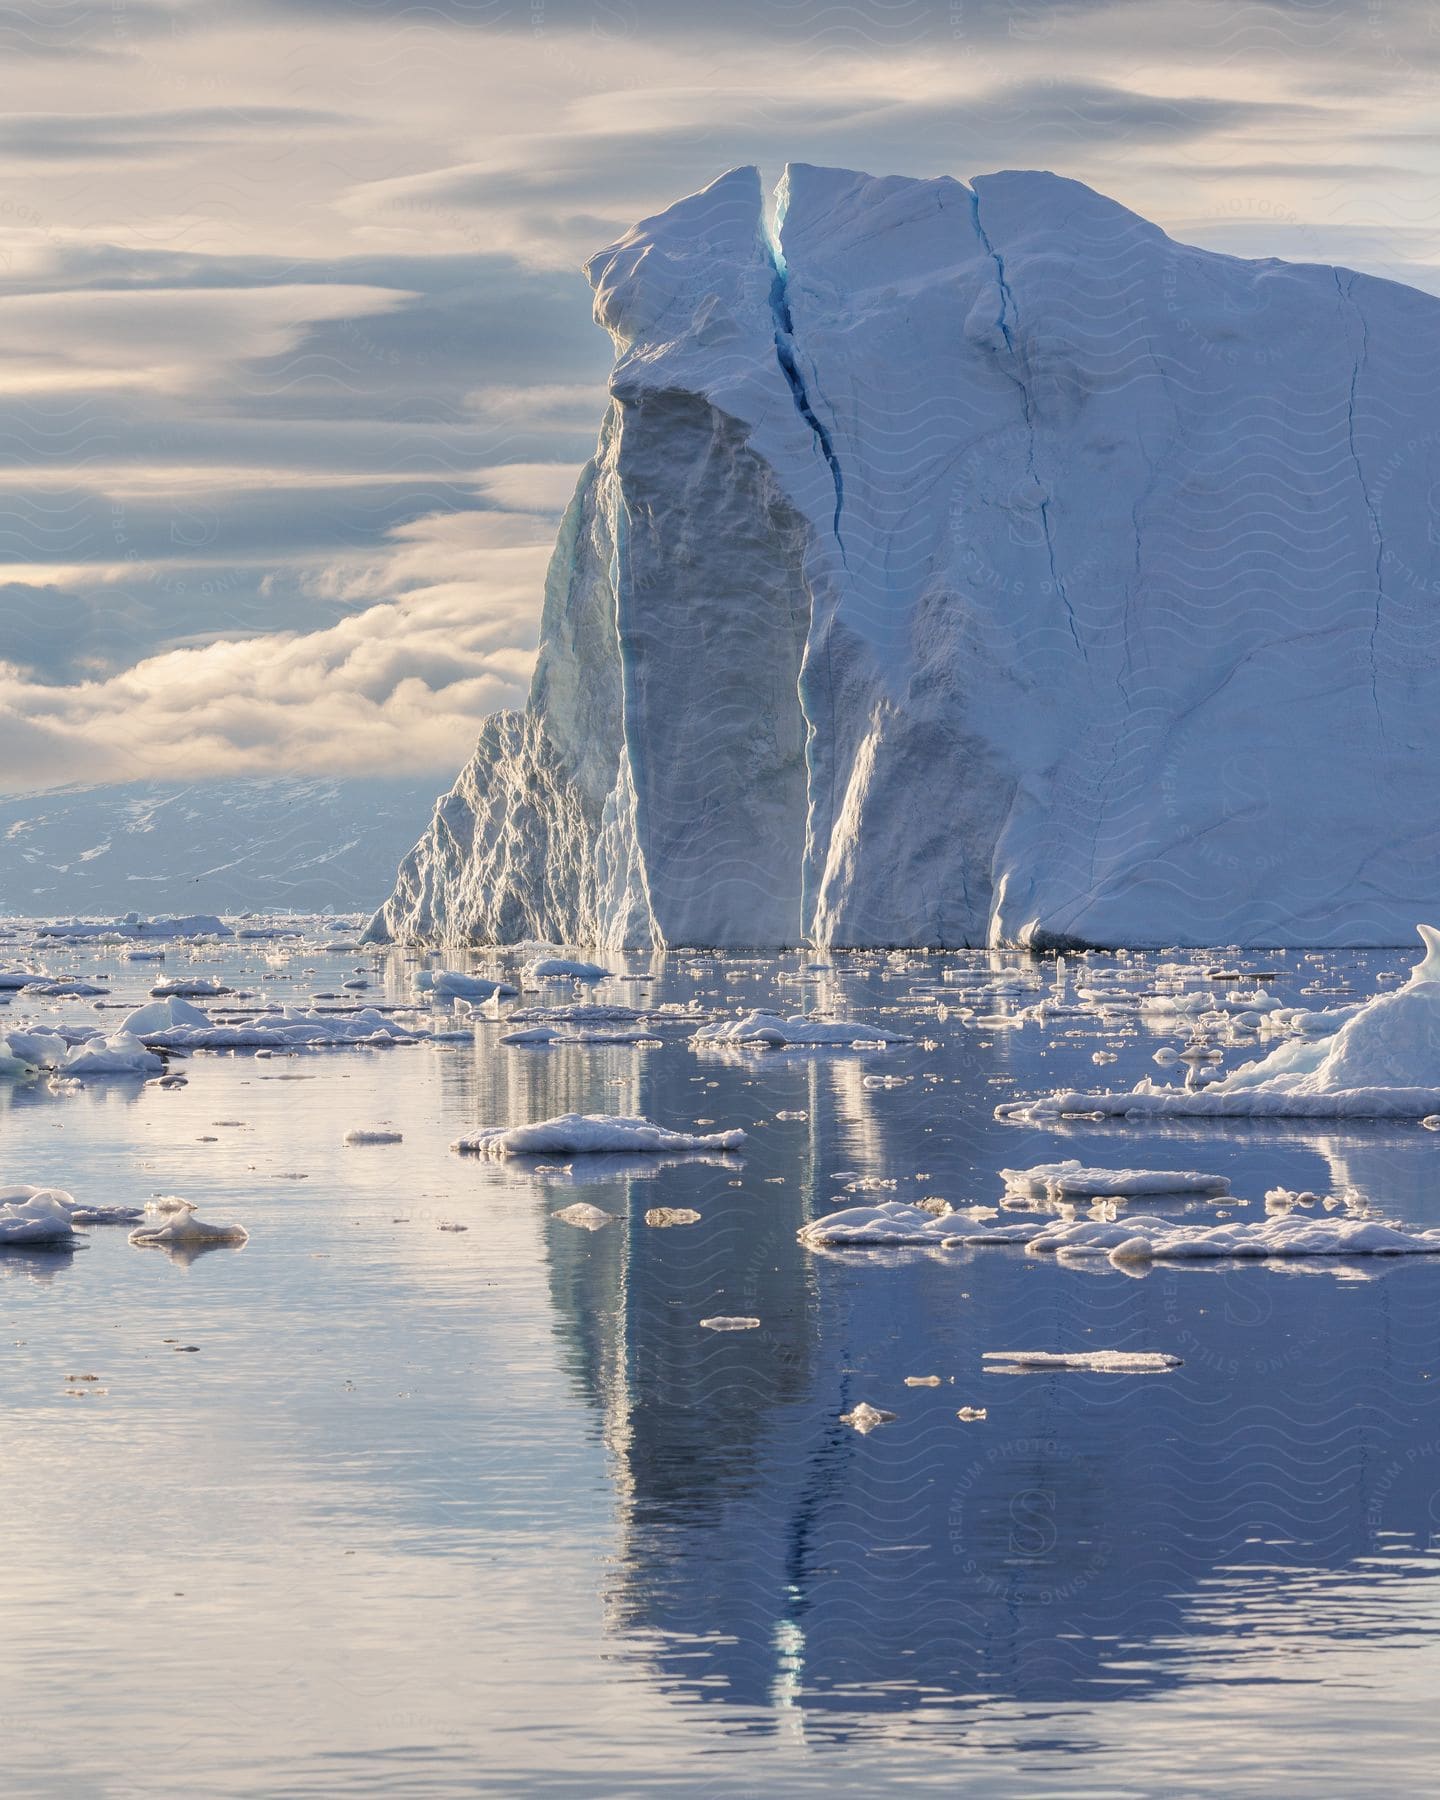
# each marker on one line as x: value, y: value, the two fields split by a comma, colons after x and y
x: 297, y: 366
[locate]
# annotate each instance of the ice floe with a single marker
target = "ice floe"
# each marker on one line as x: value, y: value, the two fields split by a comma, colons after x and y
x: 133, y: 925
x: 557, y: 968
x: 864, y: 1418
x: 30, y: 1215
x: 176, y: 1227
x: 455, y: 984
x: 1072, y: 1181
x: 1139, y: 1239
x: 118, y: 1054
x: 1093, y: 1362
x: 766, y: 1031
x: 587, y: 1217
x: 730, y: 1322
x: 573, y: 1134
x: 540, y: 1036
x: 1382, y: 1062
x: 357, y: 1136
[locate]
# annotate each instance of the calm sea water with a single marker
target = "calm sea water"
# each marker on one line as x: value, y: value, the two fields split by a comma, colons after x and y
x: 485, y: 1512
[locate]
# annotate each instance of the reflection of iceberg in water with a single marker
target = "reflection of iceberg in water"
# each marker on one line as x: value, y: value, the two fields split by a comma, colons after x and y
x: 1095, y: 1538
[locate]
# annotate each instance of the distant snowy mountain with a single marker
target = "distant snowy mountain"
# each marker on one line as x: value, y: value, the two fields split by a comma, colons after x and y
x: 236, y: 846
x: 974, y: 564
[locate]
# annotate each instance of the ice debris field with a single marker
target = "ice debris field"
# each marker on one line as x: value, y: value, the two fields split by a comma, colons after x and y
x: 1228, y: 1042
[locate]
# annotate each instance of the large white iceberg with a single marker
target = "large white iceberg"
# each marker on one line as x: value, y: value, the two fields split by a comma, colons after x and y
x: 966, y: 564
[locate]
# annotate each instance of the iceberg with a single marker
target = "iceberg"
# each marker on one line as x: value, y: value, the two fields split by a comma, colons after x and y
x: 968, y: 563
x: 573, y: 1134
x: 764, y: 1031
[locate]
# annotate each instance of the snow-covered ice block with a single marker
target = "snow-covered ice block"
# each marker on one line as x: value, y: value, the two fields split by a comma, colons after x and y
x: 1148, y: 1239
x: 36, y: 1216
x: 176, y: 1227
x: 1071, y: 1180
x: 766, y: 1031
x: 357, y: 1136
x: 574, y: 1134
x: 1094, y: 1362
x: 555, y: 968
x: 578, y: 1034
x: 455, y: 984
x: 118, y: 1054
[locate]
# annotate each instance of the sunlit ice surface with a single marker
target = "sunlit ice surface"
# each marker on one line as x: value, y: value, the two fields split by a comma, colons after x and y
x: 376, y: 1505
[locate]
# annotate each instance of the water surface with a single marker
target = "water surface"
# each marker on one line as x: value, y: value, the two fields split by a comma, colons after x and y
x: 485, y: 1512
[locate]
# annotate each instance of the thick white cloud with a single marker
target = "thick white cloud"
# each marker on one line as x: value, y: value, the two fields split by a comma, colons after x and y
x: 397, y: 686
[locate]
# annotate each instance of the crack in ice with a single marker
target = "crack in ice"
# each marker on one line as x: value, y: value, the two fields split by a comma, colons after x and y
x: 1007, y: 308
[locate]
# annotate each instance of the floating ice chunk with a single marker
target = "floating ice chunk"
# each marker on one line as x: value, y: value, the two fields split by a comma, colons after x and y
x: 119, y: 1054
x: 176, y: 1227
x: 766, y: 1031
x: 864, y: 1418
x: 556, y: 968
x: 71, y: 986
x: 672, y: 1215
x: 1070, y: 1180
x: 163, y: 1015
x: 189, y: 925
x: 970, y: 1414
x: 454, y: 984
x: 922, y: 1381
x: 577, y: 1015
x: 544, y: 1035
x: 729, y: 1322
x: 1149, y: 1239
x: 587, y: 1217
x: 189, y: 987
x: 574, y: 1134
x: 358, y: 1136
x: 31, y: 1215
x: 891, y: 1222
x: 1383, y: 1062
x: 18, y: 1058
x: 1095, y: 1362
x: 11, y: 980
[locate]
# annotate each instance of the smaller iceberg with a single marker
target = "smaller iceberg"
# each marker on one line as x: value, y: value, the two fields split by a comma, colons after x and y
x: 1071, y: 1181
x: 558, y: 968
x: 574, y: 1134
x: 764, y: 1031
x: 43, y: 1216
x: 176, y: 1227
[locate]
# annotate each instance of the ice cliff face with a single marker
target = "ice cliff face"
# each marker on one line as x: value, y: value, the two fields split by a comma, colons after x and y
x: 972, y: 564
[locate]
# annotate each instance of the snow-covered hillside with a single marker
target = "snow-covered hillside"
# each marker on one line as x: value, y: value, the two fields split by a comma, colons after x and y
x: 967, y: 564
x: 237, y: 846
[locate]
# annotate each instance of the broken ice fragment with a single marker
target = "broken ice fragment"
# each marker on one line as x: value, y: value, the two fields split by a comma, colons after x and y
x: 587, y: 1217
x: 1098, y: 1362
x: 728, y: 1322
x: 672, y: 1215
x: 864, y: 1418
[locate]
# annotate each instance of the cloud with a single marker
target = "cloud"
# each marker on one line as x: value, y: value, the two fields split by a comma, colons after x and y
x: 398, y: 687
x: 111, y: 137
